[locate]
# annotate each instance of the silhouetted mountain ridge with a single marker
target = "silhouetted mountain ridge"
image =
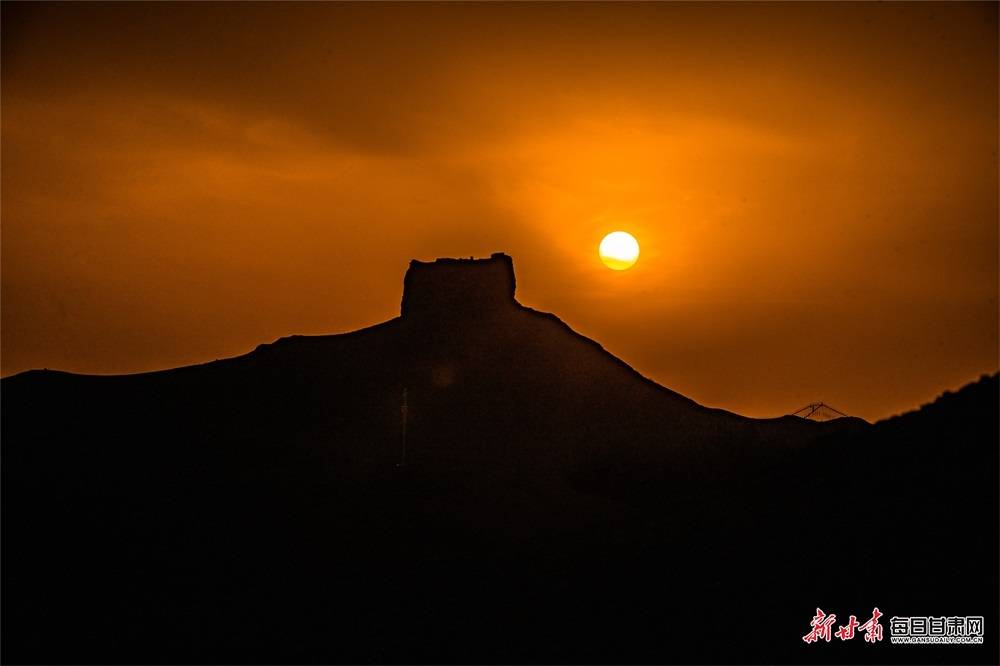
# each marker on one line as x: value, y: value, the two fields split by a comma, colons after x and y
x: 547, y: 502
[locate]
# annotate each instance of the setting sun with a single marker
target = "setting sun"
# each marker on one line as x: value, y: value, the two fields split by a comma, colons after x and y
x: 619, y: 250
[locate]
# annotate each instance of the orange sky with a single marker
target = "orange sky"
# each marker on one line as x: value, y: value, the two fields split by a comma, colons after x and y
x: 814, y: 186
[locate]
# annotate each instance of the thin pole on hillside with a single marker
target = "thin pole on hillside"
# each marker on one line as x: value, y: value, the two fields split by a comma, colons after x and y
x: 403, y: 413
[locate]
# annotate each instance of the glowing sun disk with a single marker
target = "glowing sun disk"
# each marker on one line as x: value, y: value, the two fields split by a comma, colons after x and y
x: 619, y: 250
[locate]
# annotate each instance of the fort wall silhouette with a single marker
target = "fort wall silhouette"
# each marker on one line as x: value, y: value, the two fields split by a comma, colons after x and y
x: 450, y: 288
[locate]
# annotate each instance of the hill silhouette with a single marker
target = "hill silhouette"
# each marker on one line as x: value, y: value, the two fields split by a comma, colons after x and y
x: 554, y: 505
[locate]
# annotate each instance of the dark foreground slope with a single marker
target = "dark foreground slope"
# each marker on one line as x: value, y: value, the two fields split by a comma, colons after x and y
x: 554, y: 505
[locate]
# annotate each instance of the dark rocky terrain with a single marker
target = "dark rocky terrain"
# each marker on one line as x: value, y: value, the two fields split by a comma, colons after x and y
x: 554, y: 505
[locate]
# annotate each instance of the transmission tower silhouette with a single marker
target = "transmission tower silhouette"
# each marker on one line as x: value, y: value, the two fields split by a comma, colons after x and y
x: 818, y: 411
